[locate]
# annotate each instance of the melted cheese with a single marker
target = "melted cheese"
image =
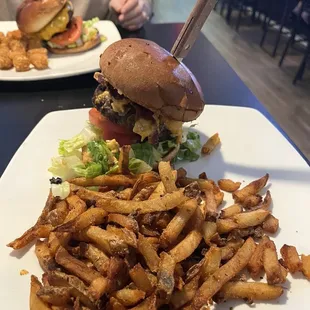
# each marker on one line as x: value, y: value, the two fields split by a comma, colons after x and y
x: 144, y: 128
x: 58, y: 24
x: 175, y: 127
x: 100, y: 97
x: 118, y: 106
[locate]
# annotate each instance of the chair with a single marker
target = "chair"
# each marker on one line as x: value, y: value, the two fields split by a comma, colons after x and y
x: 301, y: 29
x: 276, y: 12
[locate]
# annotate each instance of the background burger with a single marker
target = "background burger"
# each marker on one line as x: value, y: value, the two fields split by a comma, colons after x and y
x: 53, y: 22
x: 144, y: 96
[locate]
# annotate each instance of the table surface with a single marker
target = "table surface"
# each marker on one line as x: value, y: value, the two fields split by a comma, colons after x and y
x: 23, y: 104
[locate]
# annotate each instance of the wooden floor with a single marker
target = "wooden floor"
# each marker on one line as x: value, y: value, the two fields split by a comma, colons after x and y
x: 288, y: 104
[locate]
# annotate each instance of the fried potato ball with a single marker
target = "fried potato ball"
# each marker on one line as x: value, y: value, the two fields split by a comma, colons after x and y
x: 41, y: 51
x: 21, y: 63
x: 39, y: 61
x: 13, y: 54
x: 5, y: 63
x: 14, y: 35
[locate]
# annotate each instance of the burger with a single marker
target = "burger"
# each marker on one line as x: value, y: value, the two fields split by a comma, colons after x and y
x: 144, y: 96
x: 52, y: 21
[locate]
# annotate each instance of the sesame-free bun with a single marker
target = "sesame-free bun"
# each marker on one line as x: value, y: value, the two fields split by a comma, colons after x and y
x: 33, y: 15
x: 85, y: 47
x: 150, y: 76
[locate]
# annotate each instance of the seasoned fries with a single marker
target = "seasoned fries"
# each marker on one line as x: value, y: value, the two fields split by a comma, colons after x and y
x: 156, y: 241
x: 210, y: 145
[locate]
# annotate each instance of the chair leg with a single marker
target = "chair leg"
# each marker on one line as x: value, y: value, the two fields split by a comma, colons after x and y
x: 239, y: 17
x: 274, y: 52
x: 265, y: 30
x: 302, y: 66
x: 229, y: 11
x: 288, y: 43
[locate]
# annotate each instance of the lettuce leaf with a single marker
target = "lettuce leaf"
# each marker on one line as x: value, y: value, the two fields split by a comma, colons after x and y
x: 165, y: 146
x: 64, y: 167
x: 146, y: 152
x: 137, y: 166
x: 89, y: 170
x: 189, y: 148
x: 69, y: 147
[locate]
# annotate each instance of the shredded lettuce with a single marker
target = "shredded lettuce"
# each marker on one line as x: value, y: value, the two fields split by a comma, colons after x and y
x: 165, y: 146
x: 189, y: 148
x: 137, y: 166
x: 90, y: 23
x: 61, y: 190
x: 146, y: 152
x: 89, y: 170
x: 64, y: 167
x: 68, y: 147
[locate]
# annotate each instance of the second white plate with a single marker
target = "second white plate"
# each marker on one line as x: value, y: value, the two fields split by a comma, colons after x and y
x: 64, y: 65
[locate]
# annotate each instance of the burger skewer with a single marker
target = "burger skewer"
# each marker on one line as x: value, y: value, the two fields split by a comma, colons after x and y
x: 191, y: 28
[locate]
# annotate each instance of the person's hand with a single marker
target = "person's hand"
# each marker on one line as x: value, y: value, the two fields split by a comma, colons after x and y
x: 132, y: 13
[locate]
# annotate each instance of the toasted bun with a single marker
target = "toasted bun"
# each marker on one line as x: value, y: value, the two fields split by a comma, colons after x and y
x: 85, y: 47
x: 33, y: 15
x: 150, y: 76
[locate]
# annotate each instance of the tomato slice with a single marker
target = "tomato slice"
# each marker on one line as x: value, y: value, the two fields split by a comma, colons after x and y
x: 71, y: 35
x: 110, y: 130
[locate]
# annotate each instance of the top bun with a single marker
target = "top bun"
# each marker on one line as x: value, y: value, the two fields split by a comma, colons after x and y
x: 150, y: 76
x: 33, y: 15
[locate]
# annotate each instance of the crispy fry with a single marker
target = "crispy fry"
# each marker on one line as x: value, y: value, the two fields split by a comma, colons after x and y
x: 58, y: 215
x: 231, y: 211
x: 36, y: 302
x: 140, y: 279
x: 96, y: 256
x: 228, y: 185
x: 149, y: 253
x: 144, y: 180
x: 93, y: 196
x: 210, y: 145
x: 255, y: 264
x: 148, y: 304
x: 76, y: 206
x: 56, y: 240
x: 211, y: 205
x: 211, y: 263
x: 176, y: 225
x: 291, y: 258
x: 215, y: 282
x: 250, y: 219
x: 165, y: 276
x: 37, y: 231
x: 44, y: 256
x: 125, y: 194
x: 92, y: 216
x: 125, y: 221
x: 169, y: 201
x: 226, y: 225
x: 249, y: 291
x: 117, y: 274
x: 123, y: 160
x: 271, y: 264
x: 219, y: 197
x: 208, y: 230
x: 78, y: 288
x: 129, y: 297
x: 181, y: 173
x: 267, y: 201
x: 98, y: 284
x: 186, y: 294
x: 114, y: 304
x: 251, y: 189
x: 252, y: 201
x: 107, y: 241
x: 145, y: 193
x: 57, y: 296
x: 203, y: 184
x: 271, y: 224
x: 113, y: 181
x: 158, y: 192
x: 167, y: 177
x: 124, y: 234
x: 229, y: 250
x: 305, y: 259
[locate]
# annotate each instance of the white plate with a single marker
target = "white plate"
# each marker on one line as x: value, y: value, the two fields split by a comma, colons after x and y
x: 64, y: 65
x: 251, y: 146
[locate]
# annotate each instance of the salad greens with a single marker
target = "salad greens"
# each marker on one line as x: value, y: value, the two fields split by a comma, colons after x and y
x: 88, y: 155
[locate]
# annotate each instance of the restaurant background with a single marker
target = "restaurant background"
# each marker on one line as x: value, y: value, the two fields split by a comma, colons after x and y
x: 288, y: 104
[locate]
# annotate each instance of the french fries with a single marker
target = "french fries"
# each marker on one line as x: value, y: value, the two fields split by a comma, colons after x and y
x: 291, y: 258
x: 156, y: 242
x: 210, y: 145
x: 228, y: 185
x: 249, y: 291
x: 251, y: 189
x: 215, y: 282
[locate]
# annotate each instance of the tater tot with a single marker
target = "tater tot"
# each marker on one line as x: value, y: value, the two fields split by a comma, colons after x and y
x: 21, y: 63
x: 41, y: 51
x: 14, y: 35
x: 16, y: 45
x: 2, y: 36
x: 4, y: 43
x: 5, y: 63
x: 39, y: 61
x: 13, y: 54
x: 4, y: 51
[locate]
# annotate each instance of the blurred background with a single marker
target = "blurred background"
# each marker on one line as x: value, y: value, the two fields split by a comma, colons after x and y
x: 254, y: 36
